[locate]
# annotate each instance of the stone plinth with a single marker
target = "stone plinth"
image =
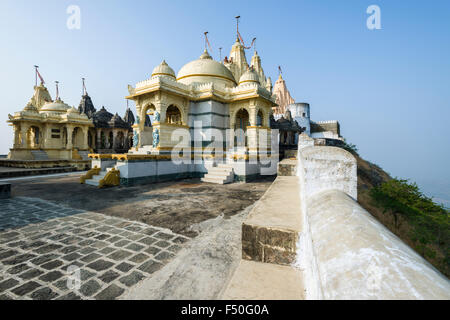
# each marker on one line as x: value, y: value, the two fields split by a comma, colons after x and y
x: 270, y: 232
x: 287, y: 167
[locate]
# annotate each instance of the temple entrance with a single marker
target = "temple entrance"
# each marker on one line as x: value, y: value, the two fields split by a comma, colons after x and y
x: 90, y: 140
x: 259, y: 119
x: 173, y: 115
x: 120, y: 143
x: 149, y: 114
x: 33, y: 137
x: 77, y: 138
x: 240, y: 128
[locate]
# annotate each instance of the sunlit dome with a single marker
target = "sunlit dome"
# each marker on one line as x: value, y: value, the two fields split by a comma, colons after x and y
x: 163, y: 69
x: 55, y: 106
x: 249, y: 76
x: 206, y: 70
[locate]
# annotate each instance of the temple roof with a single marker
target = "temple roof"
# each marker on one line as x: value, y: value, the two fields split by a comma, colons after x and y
x: 163, y: 69
x: 206, y: 70
x: 249, y: 76
x: 56, y: 106
x: 117, y: 122
x: 285, y: 123
x: 283, y: 97
x: 86, y: 106
x: 105, y: 119
x: 129, y: 117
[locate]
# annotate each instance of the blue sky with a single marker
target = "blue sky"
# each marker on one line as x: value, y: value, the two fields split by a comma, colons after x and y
x: 389, y: 88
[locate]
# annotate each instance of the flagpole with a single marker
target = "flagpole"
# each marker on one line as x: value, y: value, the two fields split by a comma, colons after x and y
x: 57, y: 90
x: 35, y: 74
x: 84, y: 87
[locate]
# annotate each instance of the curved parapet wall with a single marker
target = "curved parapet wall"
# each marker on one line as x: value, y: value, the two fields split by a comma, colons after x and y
x: 358, y: 258
x: 328, y: 168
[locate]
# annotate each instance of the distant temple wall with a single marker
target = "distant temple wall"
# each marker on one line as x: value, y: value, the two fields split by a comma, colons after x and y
x: 324, y: 126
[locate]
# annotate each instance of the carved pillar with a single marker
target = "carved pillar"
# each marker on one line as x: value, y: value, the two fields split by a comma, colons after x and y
x: 16, y: 143
x: 69, y: 138
x: 44, y: 136
x: 98, y: 142
x: 161, y: 108
x: 23, y: 135
x: 252, y: 116
x: 85, y: 137
x: 114, y: 142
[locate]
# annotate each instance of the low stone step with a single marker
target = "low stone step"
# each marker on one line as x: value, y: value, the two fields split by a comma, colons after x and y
x: 271, y: 230
x: 217, y: 176
x: 39, y: 154
x: 218, y: 169
x: 92, y: 182
x: 265, y: 281
x: 212, y: 180
x: 224, y: 165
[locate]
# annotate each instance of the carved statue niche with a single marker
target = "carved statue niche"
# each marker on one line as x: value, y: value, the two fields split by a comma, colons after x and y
x: 135, y: 138
x: 157, y: 116
x: 155, y: 138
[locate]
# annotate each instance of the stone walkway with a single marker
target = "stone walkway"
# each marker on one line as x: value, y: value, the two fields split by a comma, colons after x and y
x: 48, y: 251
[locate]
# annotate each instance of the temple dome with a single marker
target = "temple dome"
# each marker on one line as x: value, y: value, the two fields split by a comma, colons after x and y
x: 249, y: 76
x: 163, y: 69
x: 73, y: 111
x: 206, y: 70
x: 55, y: 106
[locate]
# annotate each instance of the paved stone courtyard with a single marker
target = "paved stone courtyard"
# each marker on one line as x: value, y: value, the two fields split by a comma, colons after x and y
x: 51, y: 251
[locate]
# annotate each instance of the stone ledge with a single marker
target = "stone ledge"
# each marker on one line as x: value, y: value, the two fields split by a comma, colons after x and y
x: 270, y: 232
x: 287, y: 167
x: 264, y: 281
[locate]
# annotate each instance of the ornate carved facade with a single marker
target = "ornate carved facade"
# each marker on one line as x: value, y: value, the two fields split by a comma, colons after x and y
x: 207, y: 94
x: 47, y: 129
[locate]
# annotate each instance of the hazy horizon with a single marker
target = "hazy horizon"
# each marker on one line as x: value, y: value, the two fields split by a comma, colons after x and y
x: 388, y: 88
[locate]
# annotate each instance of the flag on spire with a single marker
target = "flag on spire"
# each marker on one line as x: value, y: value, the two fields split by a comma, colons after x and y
x: 239, y: 34
x: 57, y: 90
x: 207, y: 41
x: 39, y: 75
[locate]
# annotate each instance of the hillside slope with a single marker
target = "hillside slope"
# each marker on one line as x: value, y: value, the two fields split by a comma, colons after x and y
x: 427, y: 235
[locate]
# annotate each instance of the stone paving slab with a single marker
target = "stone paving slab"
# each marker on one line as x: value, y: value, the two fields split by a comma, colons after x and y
x: 49, y: 251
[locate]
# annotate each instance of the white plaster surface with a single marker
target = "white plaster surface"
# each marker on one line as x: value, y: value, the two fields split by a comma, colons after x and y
x: 358, y: 258
x: 328, y: 168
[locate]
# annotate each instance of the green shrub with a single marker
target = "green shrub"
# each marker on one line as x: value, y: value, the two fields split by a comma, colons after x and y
x: 429, y: 221
x: 350, y: 147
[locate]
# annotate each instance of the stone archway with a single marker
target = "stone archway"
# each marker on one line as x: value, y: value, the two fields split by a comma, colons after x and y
x: 77, y: 138
x: 260, y: 118
x: 34, y: 135
x: 148, y: 110
x: 242, y: 121
x: 120, y: 141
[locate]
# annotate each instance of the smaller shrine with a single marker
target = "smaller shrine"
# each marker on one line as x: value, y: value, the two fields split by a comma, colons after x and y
x: 289, y: 130
x: 48, y: 129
